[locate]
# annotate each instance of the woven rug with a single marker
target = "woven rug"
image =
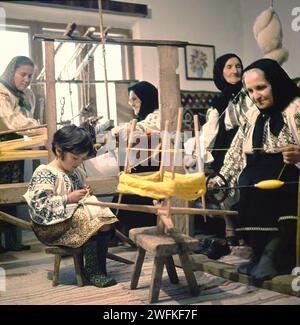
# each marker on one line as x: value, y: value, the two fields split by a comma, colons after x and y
x: 29, y: 282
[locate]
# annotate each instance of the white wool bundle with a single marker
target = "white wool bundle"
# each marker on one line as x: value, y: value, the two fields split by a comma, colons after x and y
x: 268, y: 34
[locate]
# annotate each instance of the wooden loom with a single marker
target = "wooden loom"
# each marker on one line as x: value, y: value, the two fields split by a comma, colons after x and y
x: 164, y: 210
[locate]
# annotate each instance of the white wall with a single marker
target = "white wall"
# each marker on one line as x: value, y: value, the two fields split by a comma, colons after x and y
x: 214, y: 22
x: 291, y: 39
x: 226, y: 24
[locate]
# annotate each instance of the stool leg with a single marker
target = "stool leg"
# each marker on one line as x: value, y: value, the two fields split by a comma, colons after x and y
x: 171, y: 270
x: 156, y: 277
x: 57, y: 259
x: 78, y: 269
x: 137, y: 268
x: 189, y: 274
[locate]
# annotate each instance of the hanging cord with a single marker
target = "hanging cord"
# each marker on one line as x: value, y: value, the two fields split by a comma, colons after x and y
x: 83, y: 88
x: 70, y: 95
x: 272, y: 3
x: 62, y: 108
x: 282, y: 170
x: 103, y: 40
x: 88, y: 80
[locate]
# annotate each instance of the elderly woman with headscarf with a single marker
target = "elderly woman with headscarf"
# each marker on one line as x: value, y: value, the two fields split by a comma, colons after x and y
x: 267, y: 147
x: 143, y: 98
x: 14, y: 114
x: 225, y: 115
x: 227, y: 111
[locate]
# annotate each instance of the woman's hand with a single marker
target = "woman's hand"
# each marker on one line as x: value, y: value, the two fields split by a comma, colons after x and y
x: 40, y: 131
x: 77, y: 195
x: 291, y: 154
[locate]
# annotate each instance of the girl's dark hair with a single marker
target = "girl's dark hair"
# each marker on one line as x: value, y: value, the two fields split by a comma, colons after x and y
x: 72, y: 138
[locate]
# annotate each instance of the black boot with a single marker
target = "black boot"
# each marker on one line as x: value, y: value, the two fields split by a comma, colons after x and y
x: 11, y: 239
x: 287, y: 251
x: 266, y: 268
x: 103, y: 239
x: 257, y: 241
x: 248, y: 267
x: 93, y: 268
x: 2, y: 249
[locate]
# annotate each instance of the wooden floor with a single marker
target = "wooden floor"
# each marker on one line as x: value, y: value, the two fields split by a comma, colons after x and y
x: 29, y: 274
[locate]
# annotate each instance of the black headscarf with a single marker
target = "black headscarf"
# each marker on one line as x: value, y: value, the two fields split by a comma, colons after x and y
x: 148, y: 95
x: 8, y: 78
x: 228, y: 91
x: 284, y: 90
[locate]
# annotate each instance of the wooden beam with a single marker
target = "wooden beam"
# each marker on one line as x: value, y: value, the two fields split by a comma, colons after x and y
x: 14, y: 221
x: 50, y: 95
x: 13, y: 193
x: 155, y: 209
x: 96, y: 40
x: 110, y: 7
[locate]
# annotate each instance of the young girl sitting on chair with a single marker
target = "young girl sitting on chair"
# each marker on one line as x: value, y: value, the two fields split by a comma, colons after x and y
x: 54, y: 195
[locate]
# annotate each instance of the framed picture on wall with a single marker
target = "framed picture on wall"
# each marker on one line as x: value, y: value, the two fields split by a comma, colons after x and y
x: 199, y: 61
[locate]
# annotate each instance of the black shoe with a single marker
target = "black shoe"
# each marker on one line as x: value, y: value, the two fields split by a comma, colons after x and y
x: 247, y: 268
x: 2, y: 250
x: 18, y: 248
x: 203, y: 246
x: 266, y: 269
x: 217, y: 249
x: 232, y: 241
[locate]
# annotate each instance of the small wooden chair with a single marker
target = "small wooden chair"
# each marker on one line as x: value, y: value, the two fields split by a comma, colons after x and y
x: 66, y: 251
x: 77, y: 254
x: 162, y: 247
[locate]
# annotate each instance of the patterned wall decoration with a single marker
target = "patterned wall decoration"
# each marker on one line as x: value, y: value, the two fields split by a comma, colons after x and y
x: 195, y: 102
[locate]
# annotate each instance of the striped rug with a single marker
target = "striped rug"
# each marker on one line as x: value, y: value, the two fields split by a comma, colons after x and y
x: 29, y: 283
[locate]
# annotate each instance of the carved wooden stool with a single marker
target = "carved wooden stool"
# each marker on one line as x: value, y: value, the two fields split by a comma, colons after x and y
x: 78, y: 262
x: 162, y: 247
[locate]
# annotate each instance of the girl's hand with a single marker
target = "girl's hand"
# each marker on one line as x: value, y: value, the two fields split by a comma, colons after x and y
x: 291, y: 154
x: 77, y: 195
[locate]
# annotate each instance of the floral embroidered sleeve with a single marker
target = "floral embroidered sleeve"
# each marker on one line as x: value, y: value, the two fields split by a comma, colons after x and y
x: 235, y: 114
x: 233, y: 165
x: 234, y: 159
x: 45, y: 205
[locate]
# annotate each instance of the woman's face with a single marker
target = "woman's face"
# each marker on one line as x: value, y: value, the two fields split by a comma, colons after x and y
x: 71, y: 161
x: 134, y: 102
x: 259, y: 89
x: 23, y: 76
x: 232, y: 71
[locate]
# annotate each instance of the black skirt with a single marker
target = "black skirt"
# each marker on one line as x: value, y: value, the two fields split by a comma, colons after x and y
x: 262, y: 210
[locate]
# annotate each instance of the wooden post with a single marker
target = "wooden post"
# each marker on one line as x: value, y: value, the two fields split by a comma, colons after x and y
x: 50, y: 95
x: 169, y: 102
x: 198, y: 154
x: 169, y: 92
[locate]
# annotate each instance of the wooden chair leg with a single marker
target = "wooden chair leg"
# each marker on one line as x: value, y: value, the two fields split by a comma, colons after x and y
x: 189, y: 274
x: 171, y: 270
x: 78, y: 270
x: 57, y: 259
x: 156, y: 278
x: 117, y: 258
x: 124, y: 238
x: 137, y: 268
